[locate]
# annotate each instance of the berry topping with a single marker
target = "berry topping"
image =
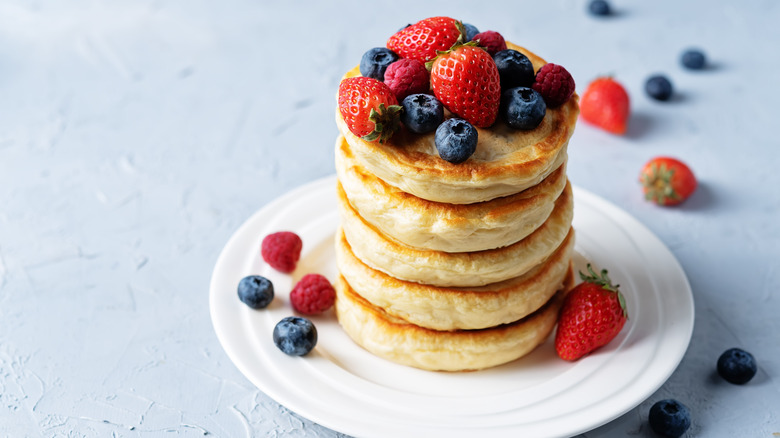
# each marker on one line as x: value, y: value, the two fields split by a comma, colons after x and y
x: 422, y: 113
x: 555, y: 84
x: 658, y: 87
x: 256, y: 291
x: 599, y: 8
x: 456, y: 140
x: 421, y: 40
x: 667, y: 181
x: 737, y: 366
x: 471, y: 31
x: 407, y: 76
x: 465, y: 79
x: 281, y: 250
x: 669, y: 418
x: 295, y: 336
x: 492, y: 41
x: 693, y: 59
x: 312, y: 294
x: 514, y: 68
x: 522, y: 108
x: 375, y: 62
x: 605, y: 104
x: 369, y: 108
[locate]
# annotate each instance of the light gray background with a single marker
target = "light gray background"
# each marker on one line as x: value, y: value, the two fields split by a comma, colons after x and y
x: 135, y: 137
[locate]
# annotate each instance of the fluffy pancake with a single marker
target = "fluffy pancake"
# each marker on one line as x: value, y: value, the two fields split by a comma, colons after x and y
x: 460, y: 350
x: 505, y: 162
x: 438, y: 226
x: 455, y: 269
x: 451, y: 308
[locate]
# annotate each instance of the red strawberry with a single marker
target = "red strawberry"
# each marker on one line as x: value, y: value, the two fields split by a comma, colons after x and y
x: 667, y: 181
x: 369, y: 108
x: 593, y: 313
x: 555, y: 84
x: 465, y: 79
x: 407, y: 76
x: 421, y: 40
x: 605, y: 104
x: 492, y: 41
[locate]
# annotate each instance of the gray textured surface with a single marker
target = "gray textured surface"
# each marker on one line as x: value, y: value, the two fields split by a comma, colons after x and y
x: 135, y: 137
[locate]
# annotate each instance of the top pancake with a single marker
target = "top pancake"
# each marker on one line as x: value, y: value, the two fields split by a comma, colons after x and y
x: 505, y: 162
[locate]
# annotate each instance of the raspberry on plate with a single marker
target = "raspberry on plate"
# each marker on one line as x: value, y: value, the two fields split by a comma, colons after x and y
x: 312, y: 294
x: 282, y: 250
x: 555, y: 84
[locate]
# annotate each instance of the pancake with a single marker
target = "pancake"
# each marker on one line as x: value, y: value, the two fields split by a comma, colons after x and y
x: 399, y: 341
x: 438, y: 226
x: 451, y: 308
x: 506, y: 161
x: 469, y: 269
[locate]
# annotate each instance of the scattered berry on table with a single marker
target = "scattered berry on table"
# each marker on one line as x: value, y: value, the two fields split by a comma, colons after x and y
x: 555, y: 84
x: 407, y: 76
x: 669, y: 418
x: 492, y: 41
x: 422, y: 113
x: 312, y: 295
x: 456, y: 140
x: 470, y: 30
x: 295, y: 336
x: 593, y: 313
x: 281, y: 250
x: 522, y: 108
x: 375, y: 62
x: 369, y: 108
x: 605, y: 104
x: 599, y: 8
x: 737, y: 366
x: 693, y: 59
x: 514, y: 69
x: 255, y: 291
x: 421, y: 40
x: 667, y: 181
x: 659, y: 87
x: 465, y: 79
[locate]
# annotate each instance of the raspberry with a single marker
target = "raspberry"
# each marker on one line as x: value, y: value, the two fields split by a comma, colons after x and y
x: 281, y: 250
x: 492, y: 41
x: 312, y: 294
x: 407, y: 76
x: 555, y: 84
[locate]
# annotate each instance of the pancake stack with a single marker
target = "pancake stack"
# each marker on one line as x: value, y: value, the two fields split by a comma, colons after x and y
x: 455, y: 266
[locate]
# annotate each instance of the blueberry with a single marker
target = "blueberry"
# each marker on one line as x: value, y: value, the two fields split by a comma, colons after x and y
x: 255, y: 291
x: 658, y: 87
x: 422, y: 113
x: 456, y: 140
x: 471, y: 31
x: 295, y: 336
x: 522, y: 108
x: 737, y: 366
x: 375, y: 62
x: 693, y: 59
x: 599, y: 8
x: 514, y: 68
x: 669, y: 418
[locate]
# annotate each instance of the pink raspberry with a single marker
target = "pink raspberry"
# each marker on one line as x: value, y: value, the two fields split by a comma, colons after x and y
x: 492, y: 41
x: 555, y: 84
x: 312, y: 294
x: 281, y: 250
x: 407, y: 76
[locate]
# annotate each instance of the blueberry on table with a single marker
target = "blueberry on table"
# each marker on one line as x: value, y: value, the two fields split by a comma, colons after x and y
x: 256, y: 291
x: 599, y: 8
x: 422, y: 113
x: 737, y: 366
x: 456, y: 140
x: 522, y: 108
x: 669, y: 418
x: 514, y: 69
x: 693, y: 59
x: 375, y: 62
x: 295, y: 336
x: 658, y: 87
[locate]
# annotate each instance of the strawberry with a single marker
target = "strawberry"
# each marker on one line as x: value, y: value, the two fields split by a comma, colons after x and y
x: 667, y: 181
x: 466, y: 80
x: 369, y: 108
x: 605, y: 104
x: 421, y: 40
x: 593, y: 313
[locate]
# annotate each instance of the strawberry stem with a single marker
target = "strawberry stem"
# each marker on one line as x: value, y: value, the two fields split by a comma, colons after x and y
x: 658, y: 184
x: 386, y: 122
x: 602, y: 280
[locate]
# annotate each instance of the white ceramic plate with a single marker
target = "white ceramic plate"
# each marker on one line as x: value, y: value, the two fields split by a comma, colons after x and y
x: 343, y: 387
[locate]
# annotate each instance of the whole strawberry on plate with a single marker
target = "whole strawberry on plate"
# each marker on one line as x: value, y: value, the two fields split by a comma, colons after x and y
x: 421, y: 40
x: 667, y: 181
x: 592, y: 314
x: 605, y: 104
x: 369, y: 108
